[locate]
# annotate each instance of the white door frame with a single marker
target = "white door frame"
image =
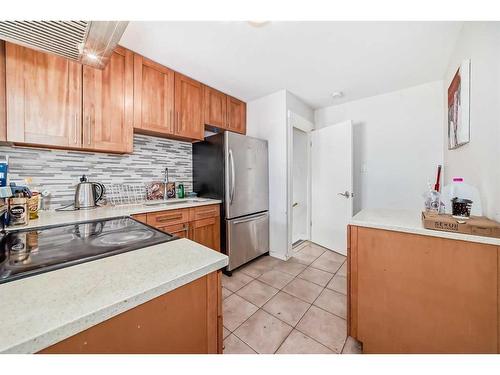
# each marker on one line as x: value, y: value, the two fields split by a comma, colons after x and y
x: 296, y: 121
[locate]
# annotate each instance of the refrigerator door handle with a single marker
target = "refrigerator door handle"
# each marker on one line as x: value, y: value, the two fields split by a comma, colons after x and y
x: 251, y: 218
x: 231, y: 161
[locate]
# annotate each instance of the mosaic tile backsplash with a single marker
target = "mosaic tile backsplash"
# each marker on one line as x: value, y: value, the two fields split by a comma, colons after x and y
x: 59, y: 171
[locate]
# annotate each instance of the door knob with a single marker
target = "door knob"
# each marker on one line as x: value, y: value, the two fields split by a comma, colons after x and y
x: 346, y: 194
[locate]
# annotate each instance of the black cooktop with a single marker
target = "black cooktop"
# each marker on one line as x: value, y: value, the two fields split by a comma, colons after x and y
x: 29, y: 252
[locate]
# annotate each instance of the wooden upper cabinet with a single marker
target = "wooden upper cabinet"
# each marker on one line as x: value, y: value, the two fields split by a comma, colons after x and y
x: 188, y: 108
x: 214, y: 107
x: 108, y: 104
x: 236, y: 115
x: 3, y: 100
x: 43, y: 98
x: 153, y: 97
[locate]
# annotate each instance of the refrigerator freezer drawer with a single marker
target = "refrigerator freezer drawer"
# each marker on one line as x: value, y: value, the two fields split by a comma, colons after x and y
x: 247, y: 238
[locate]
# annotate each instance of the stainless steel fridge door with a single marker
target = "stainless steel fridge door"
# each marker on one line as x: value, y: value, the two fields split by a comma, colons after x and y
x: 247, y: 238
x: 247, y: 175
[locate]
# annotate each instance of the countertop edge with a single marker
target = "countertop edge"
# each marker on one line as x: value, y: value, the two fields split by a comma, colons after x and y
x: 428, y: 232
x: 47, y: 339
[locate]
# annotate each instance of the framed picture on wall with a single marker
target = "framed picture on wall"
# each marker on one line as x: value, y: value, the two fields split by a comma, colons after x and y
x: 459, y: 107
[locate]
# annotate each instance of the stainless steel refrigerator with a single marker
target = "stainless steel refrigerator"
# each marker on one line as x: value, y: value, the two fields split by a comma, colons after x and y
x: 234, y: 168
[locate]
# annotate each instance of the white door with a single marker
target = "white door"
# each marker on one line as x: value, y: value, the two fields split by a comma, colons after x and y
x: 332, y: 185
x: 300, y: 185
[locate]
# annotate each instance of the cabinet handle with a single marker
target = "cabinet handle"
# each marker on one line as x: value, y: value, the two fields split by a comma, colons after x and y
x: 162, y: 219
x: 177, y: 123
x: 75, y: 128
x: 89, y: 133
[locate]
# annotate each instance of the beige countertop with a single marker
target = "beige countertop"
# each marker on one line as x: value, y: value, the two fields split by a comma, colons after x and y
x: 64, y: 217
x: 42, y: 310
x: 409, y: 221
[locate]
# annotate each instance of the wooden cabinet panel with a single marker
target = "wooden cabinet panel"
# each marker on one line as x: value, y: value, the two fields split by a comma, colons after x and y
x: 206, y: 232
x: 108, y: 104
x: 171, y: 217
x: 204, y: 212
x: 154, y: 97
x: 143, y: 218
x: 3, y: 99
x: 183, y: 321
x: 421, y: 294
x: 214, y: 107
x: 200, y: 224
x: 43, y: 98
x: 179, y: 230
x: 236, y: 115
x: 188, y: 108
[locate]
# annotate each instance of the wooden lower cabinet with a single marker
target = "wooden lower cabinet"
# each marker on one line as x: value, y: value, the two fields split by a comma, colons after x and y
x: 206, y: 232
x: 186, y: 320
x: 419, y: 294
x: 179, y: 230
x: 200, y: 224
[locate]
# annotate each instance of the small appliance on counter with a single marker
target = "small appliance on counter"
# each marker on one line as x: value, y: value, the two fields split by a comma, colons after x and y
x: 28, y: 252
x: 88, y: 194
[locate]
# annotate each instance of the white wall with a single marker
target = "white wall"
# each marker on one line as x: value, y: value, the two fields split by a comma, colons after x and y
x: 478, y: 161
x: 397, y: 144
x: 267, y: 119
x: 296, y: 105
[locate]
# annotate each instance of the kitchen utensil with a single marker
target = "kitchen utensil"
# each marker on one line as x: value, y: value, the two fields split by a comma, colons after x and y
x: 461, y: 208
x: 87, y: 194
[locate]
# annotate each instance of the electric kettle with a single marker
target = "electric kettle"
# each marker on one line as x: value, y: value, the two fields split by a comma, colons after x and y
x: 87, y: 194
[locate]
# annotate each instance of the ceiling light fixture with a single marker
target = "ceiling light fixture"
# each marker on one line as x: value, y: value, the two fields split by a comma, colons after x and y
x: 92, y: 56
x: 337, y: 94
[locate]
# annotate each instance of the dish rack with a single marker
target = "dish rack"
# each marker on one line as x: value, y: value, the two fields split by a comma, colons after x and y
x: 122, y: 194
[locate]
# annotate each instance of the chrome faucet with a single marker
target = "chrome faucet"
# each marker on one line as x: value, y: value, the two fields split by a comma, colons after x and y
x: 165, y: 181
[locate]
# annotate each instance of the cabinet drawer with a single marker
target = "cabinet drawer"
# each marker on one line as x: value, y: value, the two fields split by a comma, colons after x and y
x: 179, y: 230
x: 205, y: 212
x: 164, y: 218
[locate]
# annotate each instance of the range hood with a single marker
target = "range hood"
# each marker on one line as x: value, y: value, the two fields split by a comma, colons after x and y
x: 88, y: 42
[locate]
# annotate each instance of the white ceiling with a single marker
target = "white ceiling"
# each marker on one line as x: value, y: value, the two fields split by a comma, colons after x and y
x: 310, y: 59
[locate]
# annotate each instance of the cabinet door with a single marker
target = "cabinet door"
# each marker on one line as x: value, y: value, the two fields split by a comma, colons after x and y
x: 214, y: 107
x: 108, y: 104
x: 236, y: 115
x: 188, y: 108
x: 422, y: 294
x: 206, y: 232
x: 43, y: 98
x: 179, y: 230
x: 153, y: 97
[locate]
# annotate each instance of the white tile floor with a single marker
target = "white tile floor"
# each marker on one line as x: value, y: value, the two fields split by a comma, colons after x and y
x: 293, y: 307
